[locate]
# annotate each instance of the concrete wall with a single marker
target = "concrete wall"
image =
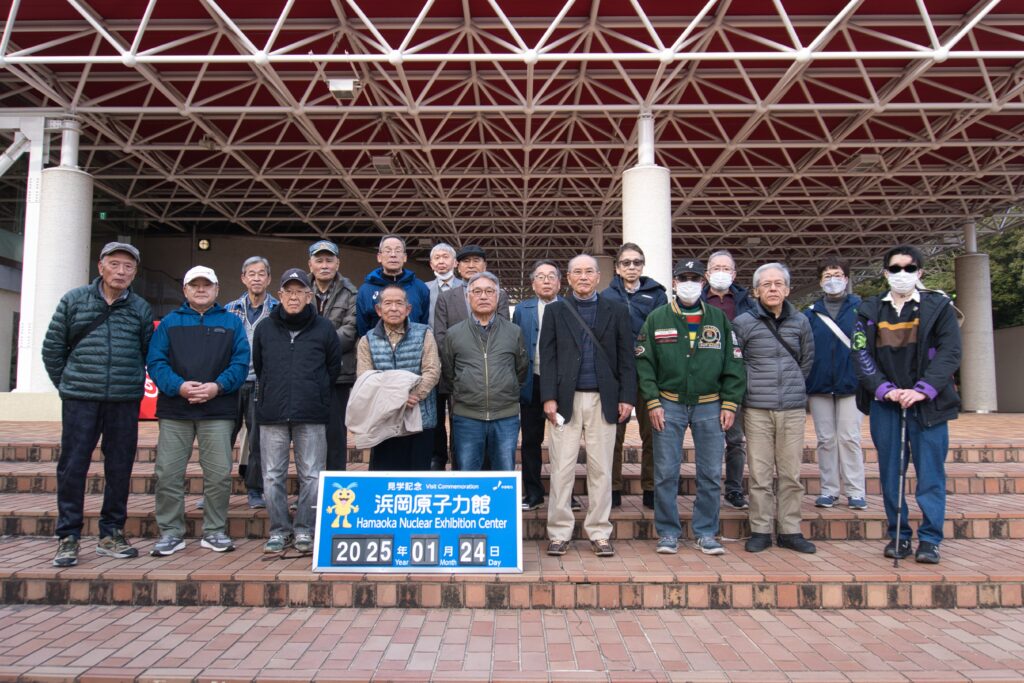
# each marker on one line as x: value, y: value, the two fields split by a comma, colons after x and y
x: 1009, y: 369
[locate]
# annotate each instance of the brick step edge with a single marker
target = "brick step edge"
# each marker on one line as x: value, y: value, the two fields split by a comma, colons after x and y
x: 631, y: 454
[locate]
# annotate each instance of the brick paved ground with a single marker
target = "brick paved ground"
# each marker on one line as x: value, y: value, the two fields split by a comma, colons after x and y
x: 236, y: 644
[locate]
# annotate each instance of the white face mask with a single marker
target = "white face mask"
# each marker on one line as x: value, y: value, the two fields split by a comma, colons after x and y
x: 903, y: 283
x: 720, y: 280
x: 834, y: 285
x: 688, y: 292
x: 444, y: 276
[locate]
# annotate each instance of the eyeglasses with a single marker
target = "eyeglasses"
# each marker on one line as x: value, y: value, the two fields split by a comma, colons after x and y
x: 688, y: 277
x: 580, y: 273
x: 392, y: 252
x: 483, y: 292
x: 634, y: 263
x: 780, y: 284
x: 912, y: 268
x: 549, y: 277
x: 297, y: 294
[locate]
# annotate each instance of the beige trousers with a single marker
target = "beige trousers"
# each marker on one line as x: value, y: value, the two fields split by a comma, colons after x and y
x: 587, y: 423
x: 775, y: 443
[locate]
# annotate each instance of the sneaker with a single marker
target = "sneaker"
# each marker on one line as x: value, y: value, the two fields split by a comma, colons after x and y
x: 602, y: 547
x: 218, y: 542
x: 758, y: 542
x: 201, y: 503
x: 532, y: 504
x: 67, y: 552
x: 709, y: 546
x: 904, y: 551
x: 304, y: 543
x: 576, y: 505
x: 256, y: 500
x: 737, y: 500
x: 667, y: 545
x: 616, y: 499
x: 649, y: 500
x: 558, y: 547
x: 277, y: 543
x: 927, y: 553
x: 116, y: 545
x: 825, y: 501
x: 857, y: 503
x: 167, y: 545
x: 796, y: 542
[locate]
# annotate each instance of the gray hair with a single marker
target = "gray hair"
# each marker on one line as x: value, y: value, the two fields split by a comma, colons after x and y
x: 597, y: 266
x: 443, y: 246
x: 252, y: 261
x: 722, y: 252
x: 385, y: 238
x: 770, y: 266
x: 544, y: 262
x: 486, y: 274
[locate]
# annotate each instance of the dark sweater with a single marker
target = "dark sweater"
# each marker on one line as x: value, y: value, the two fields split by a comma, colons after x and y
x: 588, y: 370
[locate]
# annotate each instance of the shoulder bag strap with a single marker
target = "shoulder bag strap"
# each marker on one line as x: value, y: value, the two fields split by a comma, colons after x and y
x: 597, y: 343
x: 782, y: 341
x: 831, y: 324
x: 89, y: 329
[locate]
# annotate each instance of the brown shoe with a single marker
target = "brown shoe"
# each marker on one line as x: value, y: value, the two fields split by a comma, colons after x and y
x: 602, y: 547
x: 558, y: 547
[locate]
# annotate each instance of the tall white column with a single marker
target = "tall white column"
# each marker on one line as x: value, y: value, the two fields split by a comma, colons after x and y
x: 58, y: 227
x: 974, y: 298
x: 647, y: 207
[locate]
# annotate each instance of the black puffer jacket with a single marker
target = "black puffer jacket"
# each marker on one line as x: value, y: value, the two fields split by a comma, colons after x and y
x: 110, y: 363
x: 775, y: 380
x: 294, y: 375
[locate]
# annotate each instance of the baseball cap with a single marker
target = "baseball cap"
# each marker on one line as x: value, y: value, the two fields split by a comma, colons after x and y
x: 295, y: 275
x: 323, y: 245
x: 197, y: 272
x: 470, y: 250
x: 688, y: 266
x: 111, y: 247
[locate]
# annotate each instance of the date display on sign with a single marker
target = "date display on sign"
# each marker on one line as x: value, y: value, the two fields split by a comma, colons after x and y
x: 473, y: 550
x: 362, y: 550
x: 424, y: 550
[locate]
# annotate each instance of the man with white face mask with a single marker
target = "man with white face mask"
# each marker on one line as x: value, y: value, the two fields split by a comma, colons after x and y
x: 832, y: 385
x: 692, y: 375
x: 722, y: 292
x: 906, y: 347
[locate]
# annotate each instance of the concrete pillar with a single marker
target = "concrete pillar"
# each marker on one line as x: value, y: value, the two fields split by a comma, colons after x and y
x: 604, y: 262
x: 58, y: 227
x: 647, y: 207
x: 978, y: 366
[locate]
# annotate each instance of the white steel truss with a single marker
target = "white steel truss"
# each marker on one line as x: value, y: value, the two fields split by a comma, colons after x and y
x: 791, y: 127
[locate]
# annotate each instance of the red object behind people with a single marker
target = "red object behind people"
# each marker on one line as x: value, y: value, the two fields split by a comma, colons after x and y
x: 147, y: 409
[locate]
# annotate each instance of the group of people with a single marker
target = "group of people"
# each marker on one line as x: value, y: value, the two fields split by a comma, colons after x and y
x: 397, y: 361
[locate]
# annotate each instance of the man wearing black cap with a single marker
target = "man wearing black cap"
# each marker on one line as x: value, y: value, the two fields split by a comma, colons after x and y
x: 297, y: 358
x: 335, y: 298
x: 453, y: 307
x: 95, y: 354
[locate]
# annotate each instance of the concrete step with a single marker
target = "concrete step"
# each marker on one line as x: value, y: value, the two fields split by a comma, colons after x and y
x: 843, y: 574
x: 977, y: 516
x: 966, y: 478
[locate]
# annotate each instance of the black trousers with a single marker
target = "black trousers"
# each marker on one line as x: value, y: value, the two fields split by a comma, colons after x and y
x: 83, y: 422
x: 531, y: 423
x: 440, y: 430
x: 337, y: 433
x: 404, y: 453
x: 247, y: 415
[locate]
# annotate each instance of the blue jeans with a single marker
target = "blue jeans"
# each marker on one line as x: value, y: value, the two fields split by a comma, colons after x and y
x: 928, y: 448
x: 496, y: 438
x: 310, y: 442
x: 709, y: 444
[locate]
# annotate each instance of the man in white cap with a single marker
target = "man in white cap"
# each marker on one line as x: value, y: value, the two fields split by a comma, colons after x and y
x: 199, y: 359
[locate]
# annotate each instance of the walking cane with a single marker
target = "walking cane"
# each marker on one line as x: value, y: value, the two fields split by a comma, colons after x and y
x: 904, y: 464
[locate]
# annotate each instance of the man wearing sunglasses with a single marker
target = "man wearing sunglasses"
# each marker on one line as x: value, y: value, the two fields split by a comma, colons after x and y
x: 906, y: 347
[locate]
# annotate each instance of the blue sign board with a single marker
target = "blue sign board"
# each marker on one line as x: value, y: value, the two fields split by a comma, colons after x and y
x: 433, y: 522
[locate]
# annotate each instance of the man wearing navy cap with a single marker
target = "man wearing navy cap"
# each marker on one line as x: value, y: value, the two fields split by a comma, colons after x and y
x: 297, y: 358
x: 335, y: 298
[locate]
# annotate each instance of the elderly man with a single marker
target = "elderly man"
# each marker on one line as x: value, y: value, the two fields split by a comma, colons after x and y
x: 690, y: 375
x: 453, y: 307
x: 722, y: 292
x: 397, y: 343
x: 641, y: 295
x: 199, y: 359
x: 442, y: 262
x: 587, y: 383
x: 335, y: 299
x: 546, y: 280
x: 391, y: 256
x: 906, y: 349
x: 95, y: 354
x: 252, y: 308
x: 297, y: 358
x: 778, y: 349
x: 484, y: 362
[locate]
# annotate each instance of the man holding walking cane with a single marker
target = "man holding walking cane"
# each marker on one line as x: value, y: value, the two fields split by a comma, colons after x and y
x: 906, y: 347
